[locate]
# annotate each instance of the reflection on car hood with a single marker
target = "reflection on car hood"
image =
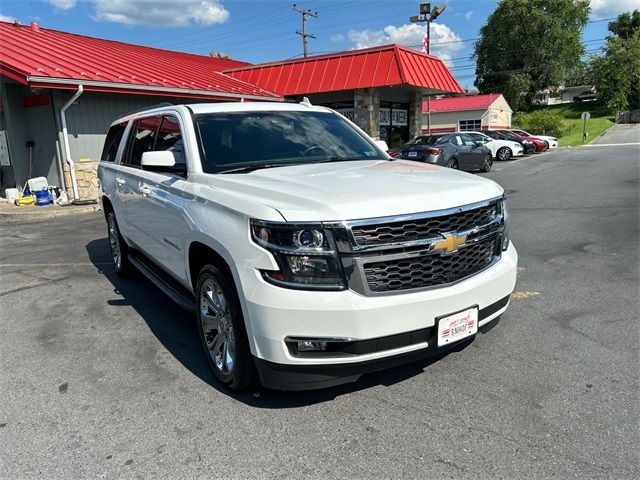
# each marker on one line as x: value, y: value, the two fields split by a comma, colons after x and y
x: 357, y: 189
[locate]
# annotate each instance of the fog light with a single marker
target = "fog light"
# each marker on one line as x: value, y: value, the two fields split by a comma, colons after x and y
x: 307, y: 346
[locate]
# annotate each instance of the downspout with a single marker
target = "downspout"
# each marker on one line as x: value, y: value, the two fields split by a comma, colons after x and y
x: 65, y: 141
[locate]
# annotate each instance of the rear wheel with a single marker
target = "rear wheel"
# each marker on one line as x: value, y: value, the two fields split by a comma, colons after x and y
x: 504, y: 154
x: 487, y: 163
x: 118, y: 247
x: 453, y: 163
x: 222, y: 331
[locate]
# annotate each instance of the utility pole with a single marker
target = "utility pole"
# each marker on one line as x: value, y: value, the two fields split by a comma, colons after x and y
x: 303, y: 33
x: 428, y: 15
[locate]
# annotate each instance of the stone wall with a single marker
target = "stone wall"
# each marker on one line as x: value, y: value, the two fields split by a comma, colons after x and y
x: 366, y: 108
x: 87, y: 177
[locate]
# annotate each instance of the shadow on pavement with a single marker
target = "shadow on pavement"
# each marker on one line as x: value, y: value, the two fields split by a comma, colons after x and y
x: 176, y: 331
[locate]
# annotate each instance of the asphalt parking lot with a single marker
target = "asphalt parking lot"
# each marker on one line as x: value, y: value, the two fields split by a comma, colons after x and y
x: 103, y: 377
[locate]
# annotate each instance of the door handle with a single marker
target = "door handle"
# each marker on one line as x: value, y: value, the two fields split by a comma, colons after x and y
x: 144, y: 190
x: 120, y: 181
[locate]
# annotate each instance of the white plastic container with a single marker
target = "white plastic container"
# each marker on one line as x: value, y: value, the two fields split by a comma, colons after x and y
x: 38, y: 183
x: 12, y: 194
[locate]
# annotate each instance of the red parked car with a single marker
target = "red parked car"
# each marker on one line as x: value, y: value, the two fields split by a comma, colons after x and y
x: 539, y: 144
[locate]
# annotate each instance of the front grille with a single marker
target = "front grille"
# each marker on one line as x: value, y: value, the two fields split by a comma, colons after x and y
x: 423, y: 228
x: 430, y: 270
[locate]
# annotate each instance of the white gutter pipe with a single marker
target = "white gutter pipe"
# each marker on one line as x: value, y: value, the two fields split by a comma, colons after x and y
x: 65, y: 141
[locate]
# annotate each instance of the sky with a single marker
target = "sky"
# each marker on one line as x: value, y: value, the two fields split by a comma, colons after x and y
x: 262, y: 31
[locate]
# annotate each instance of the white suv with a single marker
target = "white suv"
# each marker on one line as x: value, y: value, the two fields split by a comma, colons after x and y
x: 308, y: 254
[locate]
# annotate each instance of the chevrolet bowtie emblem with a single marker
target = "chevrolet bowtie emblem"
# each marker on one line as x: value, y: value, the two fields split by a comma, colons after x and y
x: 450, y: 243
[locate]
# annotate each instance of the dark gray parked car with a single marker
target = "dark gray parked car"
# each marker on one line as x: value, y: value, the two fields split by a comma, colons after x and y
x: 453, y: 150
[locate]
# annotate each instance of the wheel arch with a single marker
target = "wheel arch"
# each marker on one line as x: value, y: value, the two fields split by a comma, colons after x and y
x: 200, y: 254
x: 107, y: 206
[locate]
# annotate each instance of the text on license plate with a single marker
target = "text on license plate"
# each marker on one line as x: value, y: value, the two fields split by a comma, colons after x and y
x: 457, y: 326
x: 412, y: 154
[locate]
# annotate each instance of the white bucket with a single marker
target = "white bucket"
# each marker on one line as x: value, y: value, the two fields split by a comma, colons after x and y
x: 12, y: 194
x: 38, y: 183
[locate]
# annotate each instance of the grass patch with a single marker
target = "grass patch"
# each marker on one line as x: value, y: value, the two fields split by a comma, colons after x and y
x: 600, y: 121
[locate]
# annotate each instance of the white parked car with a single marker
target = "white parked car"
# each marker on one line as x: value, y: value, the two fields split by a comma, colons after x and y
x: 308, y: 254
x: 500, y: 149
x: 552, y: 142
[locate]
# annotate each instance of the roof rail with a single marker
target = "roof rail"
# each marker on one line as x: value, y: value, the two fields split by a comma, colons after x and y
x: 150, y: 107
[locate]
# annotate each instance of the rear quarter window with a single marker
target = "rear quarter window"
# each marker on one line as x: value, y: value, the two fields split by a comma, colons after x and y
x: 112, y: 142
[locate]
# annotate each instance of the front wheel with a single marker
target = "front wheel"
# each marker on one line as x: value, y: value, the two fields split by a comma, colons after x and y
x: 487, y: 163
x: 222, y: 331
x: 504, y: 154
x: 453, y: 163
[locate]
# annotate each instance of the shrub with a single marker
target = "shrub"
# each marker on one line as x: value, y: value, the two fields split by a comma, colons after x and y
x: 541, y: 122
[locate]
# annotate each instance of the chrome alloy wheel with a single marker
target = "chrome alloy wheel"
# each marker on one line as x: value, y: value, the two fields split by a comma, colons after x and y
x: 504, y: 153
x: 114, y: 242
x: 217, y: 326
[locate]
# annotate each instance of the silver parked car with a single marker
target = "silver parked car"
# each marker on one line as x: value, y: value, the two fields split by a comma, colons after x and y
x: 453, y: 150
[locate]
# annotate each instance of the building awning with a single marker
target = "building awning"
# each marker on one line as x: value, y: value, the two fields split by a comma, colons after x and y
x: 46, y: 58
x: 384, y: 66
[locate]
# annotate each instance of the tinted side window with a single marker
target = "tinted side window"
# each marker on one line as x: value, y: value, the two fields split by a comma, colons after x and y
x: 112, y: 142
x: 170, y: 138
x: 467, y: 141
x: 142, y: 138
x: 477, y: 137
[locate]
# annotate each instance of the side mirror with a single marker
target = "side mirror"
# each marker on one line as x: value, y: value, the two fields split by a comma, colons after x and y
x: 382, y: 145
x: 162, y: 161
x: 480, y: 143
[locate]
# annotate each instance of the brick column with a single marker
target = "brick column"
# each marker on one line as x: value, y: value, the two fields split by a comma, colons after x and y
x: 415, y: 115
x: 366, y: 110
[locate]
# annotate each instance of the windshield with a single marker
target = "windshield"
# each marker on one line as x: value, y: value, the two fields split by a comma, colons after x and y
x: 425, y: 140
x: 234, y: 140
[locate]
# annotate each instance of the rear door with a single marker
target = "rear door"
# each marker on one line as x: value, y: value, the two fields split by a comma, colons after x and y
x: 460, y: 151
x: 141, y: 139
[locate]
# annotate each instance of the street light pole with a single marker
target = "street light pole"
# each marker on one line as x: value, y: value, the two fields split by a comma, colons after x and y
x: 428, y: 15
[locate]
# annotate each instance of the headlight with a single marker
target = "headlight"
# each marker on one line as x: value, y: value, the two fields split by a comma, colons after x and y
x: 505, y: 216
x: 527, y: 142
x: 306, y: 255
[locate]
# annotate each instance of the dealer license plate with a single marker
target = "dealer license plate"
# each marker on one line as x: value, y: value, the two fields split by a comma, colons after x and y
x: 412, y: 154
x: 457, y: 326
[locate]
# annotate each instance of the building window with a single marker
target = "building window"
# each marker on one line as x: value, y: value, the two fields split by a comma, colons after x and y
x: 469, y: 125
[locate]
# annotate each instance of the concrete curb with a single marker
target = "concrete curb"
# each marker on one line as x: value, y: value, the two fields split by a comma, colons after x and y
x: 10, y: 212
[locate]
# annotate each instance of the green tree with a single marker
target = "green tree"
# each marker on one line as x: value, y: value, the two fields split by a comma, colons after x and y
x: 626, y: 24
x: 540, y: 40
x: 617, y: 71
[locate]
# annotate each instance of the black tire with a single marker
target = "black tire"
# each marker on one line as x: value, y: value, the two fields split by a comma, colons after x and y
x: 504, y: 154
x: 453, y: 163
x: 487, y: 163
x: 546, y: 144
x: 118, y: 247
x: 219, y: 319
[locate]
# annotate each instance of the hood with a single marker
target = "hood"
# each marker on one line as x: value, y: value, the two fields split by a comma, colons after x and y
x: 357, y: 189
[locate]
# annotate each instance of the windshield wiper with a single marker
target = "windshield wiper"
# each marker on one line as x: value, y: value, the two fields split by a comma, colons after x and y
x: 343, y: 159
x: 251, y: 168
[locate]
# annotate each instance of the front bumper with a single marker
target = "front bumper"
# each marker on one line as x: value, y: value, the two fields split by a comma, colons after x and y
x: 273, y: 314
x: 282, y: 376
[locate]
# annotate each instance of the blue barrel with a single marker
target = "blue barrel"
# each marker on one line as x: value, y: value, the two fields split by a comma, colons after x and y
x: 42, y: 198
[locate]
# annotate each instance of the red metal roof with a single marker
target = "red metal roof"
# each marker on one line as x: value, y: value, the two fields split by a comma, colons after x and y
x: 49, y: 58
x: 467, y: 102
x: 372, y: 67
